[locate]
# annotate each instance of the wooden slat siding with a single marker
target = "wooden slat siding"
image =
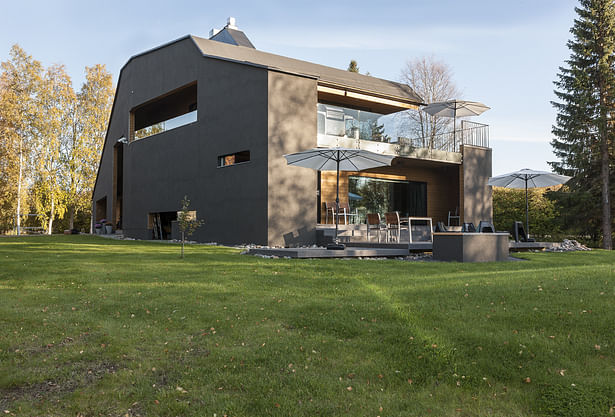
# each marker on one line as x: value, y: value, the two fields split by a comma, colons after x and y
x: 327, y: 190
x: 443, y: 186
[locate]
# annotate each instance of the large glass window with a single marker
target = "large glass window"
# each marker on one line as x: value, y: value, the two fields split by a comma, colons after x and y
x: 377, y: 195
x: 175, y: 109
x: 355, y: 124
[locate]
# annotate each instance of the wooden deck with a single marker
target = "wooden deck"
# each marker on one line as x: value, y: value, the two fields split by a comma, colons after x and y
x: 349, y: 252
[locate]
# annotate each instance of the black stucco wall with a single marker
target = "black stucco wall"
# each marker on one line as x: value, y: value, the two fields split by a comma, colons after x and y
x: 161, y: 169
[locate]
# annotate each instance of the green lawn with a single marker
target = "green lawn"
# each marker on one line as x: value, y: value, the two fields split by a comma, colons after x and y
x: 90, y: 327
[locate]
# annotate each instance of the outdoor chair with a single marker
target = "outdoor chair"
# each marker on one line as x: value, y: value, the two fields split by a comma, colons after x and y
x: 330, y: 210
x: 485, y: 227
x: 454, y: 215
x: 349, y: 216
x: 374, y: 223
x: 468, y: 228
x: 440, y: 228
x: 519, y: 233
x: 394, y: 226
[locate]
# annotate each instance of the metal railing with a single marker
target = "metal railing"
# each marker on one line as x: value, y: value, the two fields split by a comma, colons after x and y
x: 471, y: 133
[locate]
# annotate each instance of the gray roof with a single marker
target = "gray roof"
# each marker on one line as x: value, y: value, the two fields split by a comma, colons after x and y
x: 324, y: 74
x: 233, y: 37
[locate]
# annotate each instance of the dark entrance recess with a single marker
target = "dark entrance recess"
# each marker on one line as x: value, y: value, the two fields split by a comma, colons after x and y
x: 101, y: 209
x: 161, y: 224
x: 118, y: 184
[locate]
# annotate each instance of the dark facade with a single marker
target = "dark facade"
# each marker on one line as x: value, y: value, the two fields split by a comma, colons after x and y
x: 248, y: 109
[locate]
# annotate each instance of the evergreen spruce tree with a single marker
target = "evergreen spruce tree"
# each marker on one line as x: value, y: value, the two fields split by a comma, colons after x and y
x: 353, y: 66
x: 584, y: 131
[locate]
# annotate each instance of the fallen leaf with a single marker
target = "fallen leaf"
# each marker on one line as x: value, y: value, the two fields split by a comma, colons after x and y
x: 527, y: 380
x: 349, y: 388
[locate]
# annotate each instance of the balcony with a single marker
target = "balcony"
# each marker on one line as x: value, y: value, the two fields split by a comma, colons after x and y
x: 349, y: 128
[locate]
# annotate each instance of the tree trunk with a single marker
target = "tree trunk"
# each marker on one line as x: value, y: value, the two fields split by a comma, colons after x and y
x: 607, y: 242
x: 183, y: 240
x: 603, y: 132
x: 19, y: 189
x: 51, y: 216
x: 71, y: 217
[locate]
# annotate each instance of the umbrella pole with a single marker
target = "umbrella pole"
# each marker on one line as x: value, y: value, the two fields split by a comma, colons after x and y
x: 527, y: 212
x: 454, y: 130
x: 337, y: 197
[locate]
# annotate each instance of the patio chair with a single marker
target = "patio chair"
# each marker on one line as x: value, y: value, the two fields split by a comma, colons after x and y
x: 468, y: 228
x: 374, y: 222
x: 349, y: 216
x: 440, y: 228
x: 485, y: 227
x: 330, y: 209
x: 394, y: 226
x: 519, y: 233
x: 454, y: 215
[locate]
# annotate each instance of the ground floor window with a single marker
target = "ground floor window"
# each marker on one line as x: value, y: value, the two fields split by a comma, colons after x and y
x: 377, y: 195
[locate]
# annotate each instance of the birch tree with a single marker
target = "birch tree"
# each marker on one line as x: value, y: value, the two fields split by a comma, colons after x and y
x: 83, y: 147
x: 20, y: 81
x: 53, y: 128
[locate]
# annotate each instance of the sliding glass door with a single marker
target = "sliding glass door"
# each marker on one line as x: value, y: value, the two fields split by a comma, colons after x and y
x: 377, y: 195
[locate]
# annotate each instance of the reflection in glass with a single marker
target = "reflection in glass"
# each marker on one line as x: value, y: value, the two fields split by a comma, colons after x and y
x: 355, y: 124
x: 377, y: 195
x: 166, y: 125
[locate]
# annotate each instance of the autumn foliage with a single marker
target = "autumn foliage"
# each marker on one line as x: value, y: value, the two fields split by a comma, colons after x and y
x: 51, y: 137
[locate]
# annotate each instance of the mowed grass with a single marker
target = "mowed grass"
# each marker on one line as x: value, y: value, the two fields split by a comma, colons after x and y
x: 90, y: 327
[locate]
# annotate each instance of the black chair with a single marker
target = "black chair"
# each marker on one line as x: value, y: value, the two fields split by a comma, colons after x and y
x: 440, y: 228
x: 468, y: 228
x: 519, y: 233
x: 485, y: 227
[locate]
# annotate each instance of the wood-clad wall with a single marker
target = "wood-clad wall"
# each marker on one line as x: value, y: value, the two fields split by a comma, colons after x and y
x: 442, y: 184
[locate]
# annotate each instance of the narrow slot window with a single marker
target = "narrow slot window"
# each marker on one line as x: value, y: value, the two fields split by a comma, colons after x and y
x: 233, y: 159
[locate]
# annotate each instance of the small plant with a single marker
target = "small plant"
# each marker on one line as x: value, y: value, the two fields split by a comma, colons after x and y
x: 187, y: 222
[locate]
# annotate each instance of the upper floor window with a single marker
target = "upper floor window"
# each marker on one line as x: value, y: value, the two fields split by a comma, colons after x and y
x: 164, y: 113
x: 234, y: 158
x: 356, y: 124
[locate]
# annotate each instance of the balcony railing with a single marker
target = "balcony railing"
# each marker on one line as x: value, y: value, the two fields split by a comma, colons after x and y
x: 471, y: 133
x: 445, y: 146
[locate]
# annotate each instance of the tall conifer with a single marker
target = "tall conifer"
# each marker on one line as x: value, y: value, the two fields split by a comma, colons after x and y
x: 584, y: 131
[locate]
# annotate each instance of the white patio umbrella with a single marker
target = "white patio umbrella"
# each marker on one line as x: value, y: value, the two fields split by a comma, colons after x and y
x: 527, y: 178
x: 454, y: 109
x: 338, y: 159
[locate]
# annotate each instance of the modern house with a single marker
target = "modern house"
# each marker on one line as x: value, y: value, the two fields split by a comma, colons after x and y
x: 212, y: 118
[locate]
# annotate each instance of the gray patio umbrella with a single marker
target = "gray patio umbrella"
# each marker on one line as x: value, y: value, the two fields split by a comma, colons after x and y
x: 454, y: 109
x: 338, y: 159
x: 527, y: 178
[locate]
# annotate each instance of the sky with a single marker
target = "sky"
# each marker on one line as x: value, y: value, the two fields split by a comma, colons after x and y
x: 503, y: 53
